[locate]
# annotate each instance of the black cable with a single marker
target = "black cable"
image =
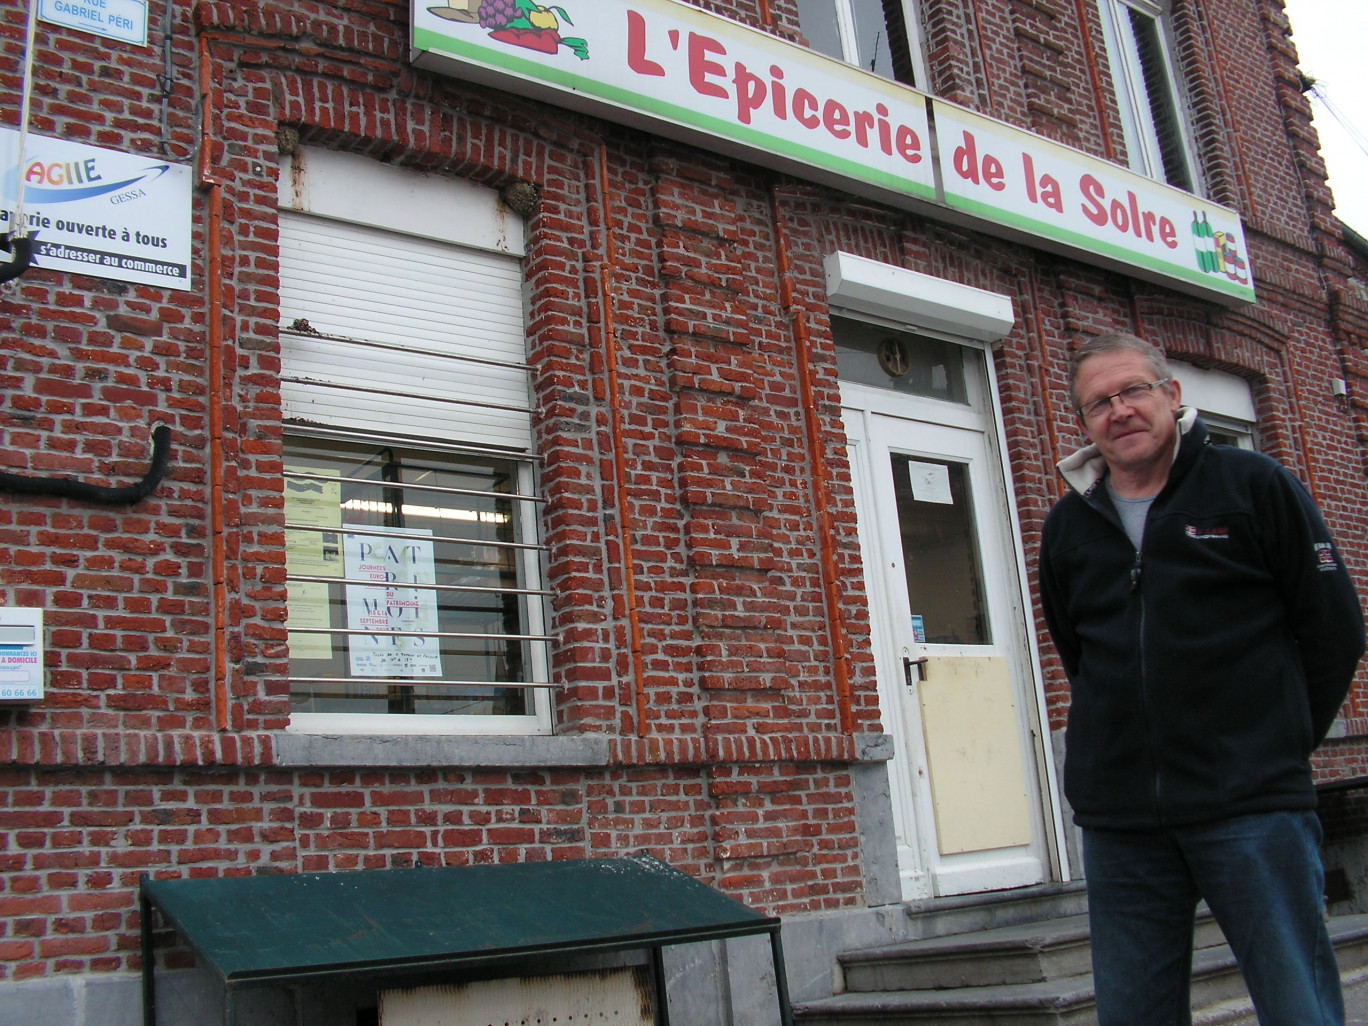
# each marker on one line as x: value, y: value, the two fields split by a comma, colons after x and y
x: 23, y: 256
x: 70, y: 488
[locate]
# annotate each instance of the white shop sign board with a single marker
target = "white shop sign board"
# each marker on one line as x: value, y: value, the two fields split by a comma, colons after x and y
x: 670, y: 67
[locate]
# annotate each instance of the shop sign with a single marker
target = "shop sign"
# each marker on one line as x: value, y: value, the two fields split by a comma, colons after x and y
x: 1052, y: 193
x: 124, y: 20
x: 669, y: 67
x: 663, y: 65
x: 99, y: 212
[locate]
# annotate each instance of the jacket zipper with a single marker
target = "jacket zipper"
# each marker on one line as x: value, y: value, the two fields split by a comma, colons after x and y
x: 1136, y: 572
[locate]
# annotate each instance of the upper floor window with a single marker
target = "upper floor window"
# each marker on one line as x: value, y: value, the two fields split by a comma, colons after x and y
x: 1224, y: 400
x: 878, y: 35
x: 1147, y: 93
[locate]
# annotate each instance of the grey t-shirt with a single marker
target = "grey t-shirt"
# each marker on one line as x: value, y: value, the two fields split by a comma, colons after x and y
x: 1133, y: 513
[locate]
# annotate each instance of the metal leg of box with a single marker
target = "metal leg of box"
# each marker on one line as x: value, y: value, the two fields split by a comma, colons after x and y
x: 662, y: 1001
x: 149, y: 963
x: 781, y: 978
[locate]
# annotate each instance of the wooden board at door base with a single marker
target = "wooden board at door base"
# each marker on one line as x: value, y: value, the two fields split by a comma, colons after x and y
x: 973, y: 751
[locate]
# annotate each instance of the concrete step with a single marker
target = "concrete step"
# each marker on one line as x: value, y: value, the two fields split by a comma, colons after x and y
x: 1029, y: 952
x: 1054, y: 997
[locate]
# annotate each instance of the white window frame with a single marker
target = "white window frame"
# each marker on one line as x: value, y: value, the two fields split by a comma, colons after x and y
x: 1225, y: 401
x: 352, y: 189
x: 844, y: 13
x: 1133, y: 95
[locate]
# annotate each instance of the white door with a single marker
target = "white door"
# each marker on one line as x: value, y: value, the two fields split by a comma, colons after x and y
x: 959, y: 689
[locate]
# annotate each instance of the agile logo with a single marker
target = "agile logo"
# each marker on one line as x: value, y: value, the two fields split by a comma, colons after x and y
x: 58, y: 181
x: 517, y: 22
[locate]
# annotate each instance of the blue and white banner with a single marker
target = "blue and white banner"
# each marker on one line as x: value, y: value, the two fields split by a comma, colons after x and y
x: 99, y: 212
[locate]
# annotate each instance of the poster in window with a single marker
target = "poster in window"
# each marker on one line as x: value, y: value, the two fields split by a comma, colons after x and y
x: 395, y: 610
x: 310, y: 505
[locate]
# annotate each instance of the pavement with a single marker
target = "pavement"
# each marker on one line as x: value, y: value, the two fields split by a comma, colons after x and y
x: 1354, y: 981
x: 1356, y: 998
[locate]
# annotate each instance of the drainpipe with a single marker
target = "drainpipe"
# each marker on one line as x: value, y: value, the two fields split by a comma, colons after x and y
x: 212, y: 185
x: 1043, y: 382
x: 836, y: 634
x: 1081, y: 8
x: 625, y: 523
x: 1294, y: 394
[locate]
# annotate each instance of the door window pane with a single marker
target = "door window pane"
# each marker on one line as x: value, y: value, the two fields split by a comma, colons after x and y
x: 941, y: 561
x: 899, y: 360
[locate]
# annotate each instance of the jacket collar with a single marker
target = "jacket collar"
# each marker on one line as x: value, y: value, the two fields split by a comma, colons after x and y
x: 1085, y: 468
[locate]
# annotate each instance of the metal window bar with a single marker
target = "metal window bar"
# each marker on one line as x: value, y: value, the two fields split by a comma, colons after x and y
x: 479, y: 589
x: 372, y: 438
x: 472, y: 635
x: 407, y: 350
x: 479, y: 493
x: 381, y: 532
x: 502, y: 685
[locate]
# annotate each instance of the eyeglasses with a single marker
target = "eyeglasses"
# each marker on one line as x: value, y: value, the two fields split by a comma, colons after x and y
x: 1130, y: 395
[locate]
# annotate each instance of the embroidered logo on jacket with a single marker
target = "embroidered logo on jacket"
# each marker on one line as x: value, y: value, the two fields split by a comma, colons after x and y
x: 1325, y: 557
x: 1207, y: 533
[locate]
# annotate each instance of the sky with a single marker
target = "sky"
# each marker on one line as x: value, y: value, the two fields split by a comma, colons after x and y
x: 1331, y: 37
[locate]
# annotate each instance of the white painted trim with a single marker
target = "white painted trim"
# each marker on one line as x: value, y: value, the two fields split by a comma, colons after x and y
x: 361, y: 190
x: 1213, y: 391
x: 915, y: 299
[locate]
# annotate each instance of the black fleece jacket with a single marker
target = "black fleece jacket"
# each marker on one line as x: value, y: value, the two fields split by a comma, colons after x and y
x: 1206, y: 667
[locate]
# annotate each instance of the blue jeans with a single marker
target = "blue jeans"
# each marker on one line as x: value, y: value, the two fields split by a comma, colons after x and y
x: 1261, y: 875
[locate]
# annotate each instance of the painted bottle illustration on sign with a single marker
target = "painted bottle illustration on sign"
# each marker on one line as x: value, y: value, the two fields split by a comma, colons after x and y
x: 1203, y: 243
x: 1217, y: 252
x: 517, y: 22
x: 1229, y: 259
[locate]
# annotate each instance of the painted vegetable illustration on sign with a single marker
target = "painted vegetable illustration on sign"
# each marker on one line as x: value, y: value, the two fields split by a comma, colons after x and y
x: 529, y: 24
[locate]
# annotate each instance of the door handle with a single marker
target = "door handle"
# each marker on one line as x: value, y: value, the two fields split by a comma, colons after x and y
x: 920, y: 664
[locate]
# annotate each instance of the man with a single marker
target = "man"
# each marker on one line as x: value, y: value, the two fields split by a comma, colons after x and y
x: 1210, y: 633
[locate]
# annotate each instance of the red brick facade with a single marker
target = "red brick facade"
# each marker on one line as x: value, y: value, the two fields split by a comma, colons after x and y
x: 730, y: 710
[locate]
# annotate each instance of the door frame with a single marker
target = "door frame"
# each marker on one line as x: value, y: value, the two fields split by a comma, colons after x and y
x: 1020, y: 636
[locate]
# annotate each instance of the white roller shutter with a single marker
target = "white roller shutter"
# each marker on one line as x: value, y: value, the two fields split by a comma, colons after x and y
x: 390, y: 332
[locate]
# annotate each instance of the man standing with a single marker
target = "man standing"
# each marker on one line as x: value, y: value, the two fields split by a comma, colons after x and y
x: 1210, y: 633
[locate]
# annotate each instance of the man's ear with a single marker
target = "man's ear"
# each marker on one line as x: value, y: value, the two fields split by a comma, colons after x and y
x: 1176, y: 392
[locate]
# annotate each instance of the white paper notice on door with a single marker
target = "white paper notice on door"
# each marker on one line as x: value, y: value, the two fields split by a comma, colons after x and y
x: 930, y: 482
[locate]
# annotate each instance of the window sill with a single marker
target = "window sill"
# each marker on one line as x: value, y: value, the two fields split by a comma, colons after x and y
x: 436, y: 751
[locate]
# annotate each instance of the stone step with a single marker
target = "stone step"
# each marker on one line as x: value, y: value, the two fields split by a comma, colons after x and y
x: 1028, y: 952
x: 1058, y: 1001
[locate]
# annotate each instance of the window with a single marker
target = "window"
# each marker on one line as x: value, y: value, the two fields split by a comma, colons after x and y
x: 899, y: 360
x: 413, y: 563
x: 1147, y: 93
x: 878, y: 35
x: 413, y: 579
x: 1224, y: 401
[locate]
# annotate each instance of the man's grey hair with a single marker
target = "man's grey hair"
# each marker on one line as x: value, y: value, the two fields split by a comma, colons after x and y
x: 1115, y: 342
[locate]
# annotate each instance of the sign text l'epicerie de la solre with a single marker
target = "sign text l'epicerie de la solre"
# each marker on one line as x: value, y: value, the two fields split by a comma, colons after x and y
x: 672, y: 68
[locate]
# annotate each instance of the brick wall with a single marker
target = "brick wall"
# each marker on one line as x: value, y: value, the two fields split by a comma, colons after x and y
x: 728, y: 757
